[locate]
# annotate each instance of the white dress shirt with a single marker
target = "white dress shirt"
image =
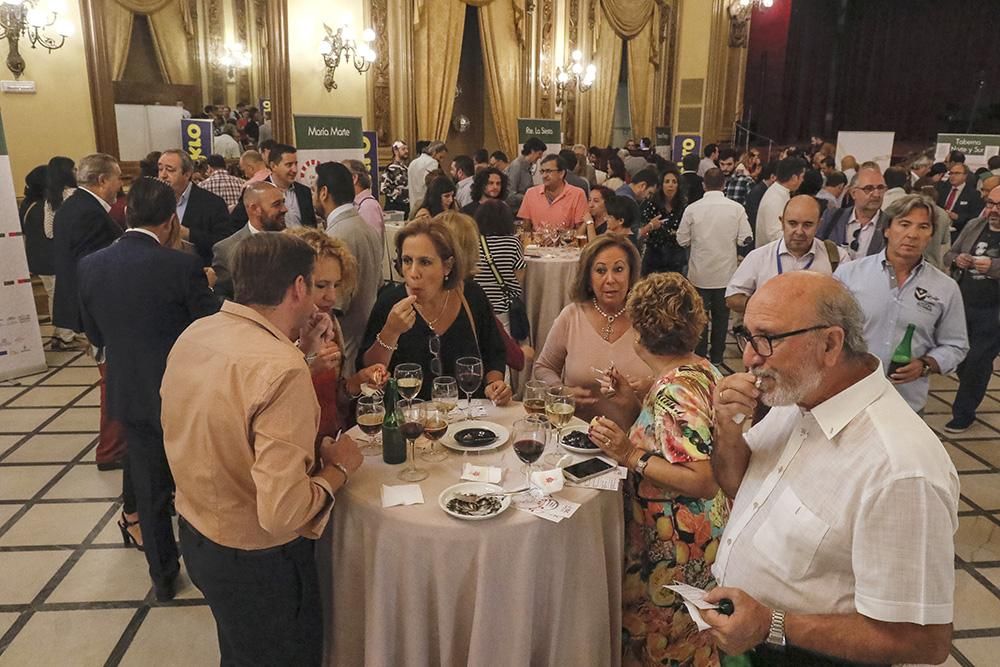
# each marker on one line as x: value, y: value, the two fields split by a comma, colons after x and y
x: 416, y: 174
x: 293, y: 215
x: 850, y: 506
x: 772, y: 205
x: 463, y: 192
x: 713, y: 226
x: 773, y: 259
x: 864, y: 238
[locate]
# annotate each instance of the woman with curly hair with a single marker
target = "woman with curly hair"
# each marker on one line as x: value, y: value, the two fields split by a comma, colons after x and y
x: 674, y: 510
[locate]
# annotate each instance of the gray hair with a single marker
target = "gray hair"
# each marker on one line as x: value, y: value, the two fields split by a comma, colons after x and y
x: 357, y: 168
x: 230, y: 129
x: 922, y: 161
x: 187, y: 164
x: 904, y: 205
x: 435, y: 147
x: 838, y: 308
x: 91, y: 167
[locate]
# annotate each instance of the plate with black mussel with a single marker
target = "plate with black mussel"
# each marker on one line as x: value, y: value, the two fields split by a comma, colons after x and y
x: 472, y: 501
x: 579, y: 442
x: 475, y: 436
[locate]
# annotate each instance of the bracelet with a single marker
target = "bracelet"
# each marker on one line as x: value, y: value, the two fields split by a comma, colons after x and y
x: 311, y: 357
x: 391, y: 348
x: 343, y: 470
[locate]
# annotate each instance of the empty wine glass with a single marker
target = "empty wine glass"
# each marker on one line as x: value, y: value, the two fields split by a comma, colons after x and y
x: 370, y: 413
x: 529, y: 442
x: 409, y: 379
x: 411, y: 417
x: 470, y: 375
x: 444, y: 392
x: 435, y: 426
x: 560, y: 405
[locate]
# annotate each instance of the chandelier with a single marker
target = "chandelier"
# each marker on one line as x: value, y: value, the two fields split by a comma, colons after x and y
x: 342, y: 45
x: 574, y: 76
x: 747, y: 6
x: 32, y: 20
x: 234, y: 57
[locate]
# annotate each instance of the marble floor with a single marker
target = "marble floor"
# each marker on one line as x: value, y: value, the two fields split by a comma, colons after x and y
x: 72, y: 594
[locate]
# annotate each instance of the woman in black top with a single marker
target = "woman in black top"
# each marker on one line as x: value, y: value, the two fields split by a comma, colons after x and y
x: 37, y: 246
x: 661, y: 216
x: 440, y: 197
x: 435, y: 310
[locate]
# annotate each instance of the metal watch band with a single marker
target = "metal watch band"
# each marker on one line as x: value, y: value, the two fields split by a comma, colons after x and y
x: 776, y: 634
x: 640, y: 466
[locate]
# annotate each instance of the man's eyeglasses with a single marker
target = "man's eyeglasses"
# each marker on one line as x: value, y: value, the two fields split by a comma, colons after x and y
x: 549, y: 171
x: 956, y: 173
x: 434, y: 345
x: 991, y: 204
x: 763, y: 344
x: 868, y: 189
x: 855, y: 244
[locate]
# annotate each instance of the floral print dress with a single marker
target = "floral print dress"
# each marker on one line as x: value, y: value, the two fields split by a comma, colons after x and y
x: 670, y: 537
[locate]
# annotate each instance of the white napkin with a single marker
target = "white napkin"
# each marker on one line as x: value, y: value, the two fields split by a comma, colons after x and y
x: 402, y: 494
x: 474, y: 473
x: 694, y: 601
x: 549, y: 481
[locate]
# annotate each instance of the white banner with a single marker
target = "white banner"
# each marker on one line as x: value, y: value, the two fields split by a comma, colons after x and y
x: 21, y: 351
x: 866, y: 147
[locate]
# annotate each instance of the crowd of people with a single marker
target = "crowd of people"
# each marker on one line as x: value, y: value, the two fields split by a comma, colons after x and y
x: 826, y: 525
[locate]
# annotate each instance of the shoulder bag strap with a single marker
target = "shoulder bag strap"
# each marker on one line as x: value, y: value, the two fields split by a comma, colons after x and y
x: 832, y: 253
x: 493, y: 268
x: 468, y: 313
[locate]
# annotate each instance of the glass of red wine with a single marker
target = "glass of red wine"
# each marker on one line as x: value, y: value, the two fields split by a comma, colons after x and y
x: 529, y: 442
x: 435, y: 426
x: 469, y: 372
x: 370, y: 413
x: 411, y: 418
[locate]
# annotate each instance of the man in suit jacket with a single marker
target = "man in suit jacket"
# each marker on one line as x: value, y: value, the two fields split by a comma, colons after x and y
x: 136, y: 297
x: 265, y: 204
x: 82, y: 226
x: 335, y: 201
x: 860, y: 227
x: 284, y: 164
x: 959, y: 197
x: 204, y: 217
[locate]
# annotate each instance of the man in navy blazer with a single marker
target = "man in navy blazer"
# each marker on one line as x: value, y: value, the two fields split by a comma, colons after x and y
x: 136, y: 297
x: 82, y: 226
x: 204, y: 216
x: 283, y: 162
x: 959, y: 197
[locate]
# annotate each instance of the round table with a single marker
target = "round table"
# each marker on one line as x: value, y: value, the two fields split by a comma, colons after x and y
x: 547, y: 278
x: 414, y: 586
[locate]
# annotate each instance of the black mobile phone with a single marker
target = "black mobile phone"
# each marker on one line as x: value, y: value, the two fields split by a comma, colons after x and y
x: 584, y: 470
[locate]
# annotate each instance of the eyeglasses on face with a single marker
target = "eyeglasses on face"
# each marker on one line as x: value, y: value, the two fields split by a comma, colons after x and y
x: 869, y: 189
x: 763, y: 344
x: 991, y: 204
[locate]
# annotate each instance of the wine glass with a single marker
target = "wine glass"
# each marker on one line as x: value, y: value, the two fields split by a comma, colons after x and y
x: 412, y: 419
x: 370, y: 413
x: 409, y: 379
x: 534, y: 397
x: 435, y: 426
x: 470, y: 375
x: 559, y: 408
x: 444, y: 392
x: 529, y: 442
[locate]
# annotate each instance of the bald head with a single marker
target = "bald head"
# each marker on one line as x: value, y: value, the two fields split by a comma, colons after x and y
x: 799, y: 222
x: 265, y: 205
x: 991, y: 208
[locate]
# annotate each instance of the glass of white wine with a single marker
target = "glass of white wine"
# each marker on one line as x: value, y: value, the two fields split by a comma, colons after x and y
x: 409, y: 380
x: 444, y: 392
x: 560, y: 405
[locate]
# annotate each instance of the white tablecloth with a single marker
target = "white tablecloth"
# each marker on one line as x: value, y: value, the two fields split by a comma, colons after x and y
x: 413, y: 586
x: 546, y: 290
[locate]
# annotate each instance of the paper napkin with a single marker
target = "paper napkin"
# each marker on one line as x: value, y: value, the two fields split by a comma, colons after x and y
x: 401, y: 494
x: 475, y: 473
x: 549, y: 481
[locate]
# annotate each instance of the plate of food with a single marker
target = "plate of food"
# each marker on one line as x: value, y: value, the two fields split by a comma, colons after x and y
x: 576, y: 439
x: 475, y: 436
x: 471, y: 501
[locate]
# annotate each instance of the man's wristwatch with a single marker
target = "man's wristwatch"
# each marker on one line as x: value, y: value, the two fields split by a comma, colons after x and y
x: 776, y: 634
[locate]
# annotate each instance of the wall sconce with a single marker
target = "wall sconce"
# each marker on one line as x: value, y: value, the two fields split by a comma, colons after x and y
x: 29, y: 19
x: 341, y: 45
x: 739, y: 20
x: 574, y: 76
x: 234, y: 57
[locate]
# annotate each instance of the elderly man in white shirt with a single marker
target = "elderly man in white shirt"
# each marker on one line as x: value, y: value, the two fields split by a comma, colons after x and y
x: 797, y: 250
x: 788, y: 178
x: 840, y: 540
x: 713, y: 227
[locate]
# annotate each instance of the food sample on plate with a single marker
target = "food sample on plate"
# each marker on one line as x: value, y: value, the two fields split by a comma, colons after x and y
x: 579, y: 439
x: 475, y: 437
x: 482, y: 506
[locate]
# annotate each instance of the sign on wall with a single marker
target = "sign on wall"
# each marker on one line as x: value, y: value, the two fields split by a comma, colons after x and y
x: 326, y: 139
x: 264, y: 105
x: 978, y: 148
x: 866, y: 147
x: 196, y: 137
x: 21, y: 351
x: 662, y: 142
x: 370, y: 147
x: 685, y: 144
x: 549, y: 131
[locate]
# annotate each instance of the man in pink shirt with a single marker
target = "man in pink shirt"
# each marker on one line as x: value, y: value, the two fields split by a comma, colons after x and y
x: 364, y: 201
x: 554, y: 203
x: 253, y: 167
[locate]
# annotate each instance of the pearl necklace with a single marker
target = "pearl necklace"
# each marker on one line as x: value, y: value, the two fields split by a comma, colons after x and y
x: 609, y: 327
x: 430, y: 323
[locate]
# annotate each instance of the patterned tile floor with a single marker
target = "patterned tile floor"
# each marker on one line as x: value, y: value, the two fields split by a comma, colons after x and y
x: 70, y: 593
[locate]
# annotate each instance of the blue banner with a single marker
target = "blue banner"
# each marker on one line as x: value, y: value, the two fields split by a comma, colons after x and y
x: 196, y: 137
x: 370, y: 145
x: 685, y: 144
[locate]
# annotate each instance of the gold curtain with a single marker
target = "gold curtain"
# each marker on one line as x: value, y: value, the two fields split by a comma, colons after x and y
x: 641, y: 73
x: 608, y: 55
x: 502, y: 63
x: 171, y: 26
x: 143, y: 6
x: 437, y: 47
x: 118, y: 30
x: 628, y: 17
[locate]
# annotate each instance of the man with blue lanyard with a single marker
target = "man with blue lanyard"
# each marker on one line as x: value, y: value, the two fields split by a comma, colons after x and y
x: 897, y: 288
x: 797, y: 250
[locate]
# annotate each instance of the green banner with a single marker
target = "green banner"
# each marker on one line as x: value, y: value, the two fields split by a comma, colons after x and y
x: 549, y: 131
x: 971, y: 144
x: 319, y: 132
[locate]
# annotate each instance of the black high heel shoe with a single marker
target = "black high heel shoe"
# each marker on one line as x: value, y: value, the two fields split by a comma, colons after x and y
x: 124, y: 524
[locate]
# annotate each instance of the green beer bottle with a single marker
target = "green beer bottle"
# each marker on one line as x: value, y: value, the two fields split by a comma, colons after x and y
x: 393, y: 446
x: 902, y: 354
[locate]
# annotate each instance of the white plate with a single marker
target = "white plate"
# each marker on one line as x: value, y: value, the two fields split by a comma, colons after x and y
x: 582, y: 427
x: 449, y: 440
x: 473, y: 487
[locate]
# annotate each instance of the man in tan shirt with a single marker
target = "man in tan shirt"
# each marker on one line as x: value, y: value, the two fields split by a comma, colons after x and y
x: 240, y: 420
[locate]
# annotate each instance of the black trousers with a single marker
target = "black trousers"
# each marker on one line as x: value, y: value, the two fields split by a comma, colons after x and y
x: 266, y: 603
x: 718, y: 324
x: 150, y: 482
x: 765, y: 656
x: 974, y: 373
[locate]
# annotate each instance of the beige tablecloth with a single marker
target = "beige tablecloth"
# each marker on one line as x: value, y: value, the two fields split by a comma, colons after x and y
x: 413, y: 586
x: 546, y: 287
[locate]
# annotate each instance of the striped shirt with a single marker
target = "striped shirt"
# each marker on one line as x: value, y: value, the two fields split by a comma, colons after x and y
x: 508, y: 256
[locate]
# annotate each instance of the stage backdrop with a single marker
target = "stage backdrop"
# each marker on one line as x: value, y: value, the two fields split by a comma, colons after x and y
x: 21, y: 350
x: 866, y: 146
